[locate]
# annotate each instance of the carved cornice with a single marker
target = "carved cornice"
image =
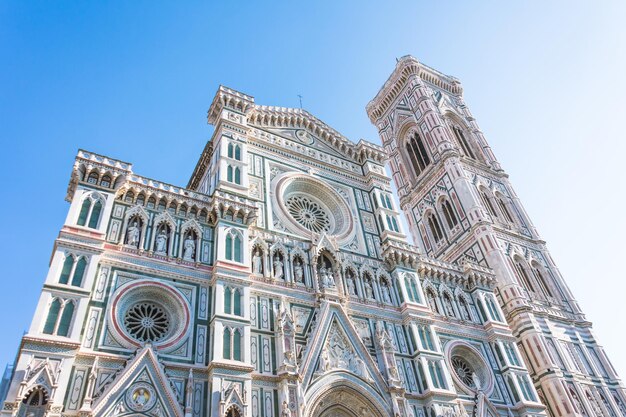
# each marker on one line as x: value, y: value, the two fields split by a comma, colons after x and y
x: 405, y: 67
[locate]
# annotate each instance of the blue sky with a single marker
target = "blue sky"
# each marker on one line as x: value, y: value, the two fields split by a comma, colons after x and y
x: 133, y: 80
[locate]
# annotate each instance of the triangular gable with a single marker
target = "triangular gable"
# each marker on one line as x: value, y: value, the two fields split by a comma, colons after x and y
x: 308, y: 139
x: 336, y: 345
x: 142, y: 387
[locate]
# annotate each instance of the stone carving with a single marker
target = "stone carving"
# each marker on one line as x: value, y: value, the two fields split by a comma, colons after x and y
x: 369, y: 291
x: 190, y: 248
x: 278, y: 268
x: 338, y: 353
x: 285, y: 411
x: 351, y: 286
x: 161, y: 242
x: 326, y: 276
x: 298, y: 272
x: 132, y: 235
x: 257, y: 263
x: 386, y: 293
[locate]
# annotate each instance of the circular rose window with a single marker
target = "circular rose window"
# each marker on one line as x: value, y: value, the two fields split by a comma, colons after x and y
x: 469, y: 370
x: 307, y: 205
x: 148, y: 312
x: 147, y: 322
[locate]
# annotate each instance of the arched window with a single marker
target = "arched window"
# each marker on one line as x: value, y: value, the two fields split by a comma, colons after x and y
x: 237, y: 303
x: 542, y: 282
x: 449, y: 214
x: 66, y: 319
x: 233, y: 244
x: 435, y: 228
x: 493, y: 311
x: 93, y: 178
x: 34, y: 404
x: 426, y: 338
x: 151, y: 202
x: 53, y: 316
x: 465, y: 146
x: 417, y: 154
x: 227, y: 301
x: 84, y: 212
x: 105, y: 181
x: 523, y: 276
x: 226, y: 347
x: 94, y: 219
x: 505, y: 210
x: 238, y: 176
x: 511, y: 384
x: 487, y: 202
x: 234, y: 151
x: 141, y: 199
x: 411, y: 289
x: 66, y: 271
x: 79, y: 272
x: 237, y: 345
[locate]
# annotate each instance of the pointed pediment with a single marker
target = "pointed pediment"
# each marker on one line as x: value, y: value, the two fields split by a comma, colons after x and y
x: 336, y: 346
x: 141, y: 387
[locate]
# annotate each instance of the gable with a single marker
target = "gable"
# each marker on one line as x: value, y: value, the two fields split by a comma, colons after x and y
x: 142, y: 387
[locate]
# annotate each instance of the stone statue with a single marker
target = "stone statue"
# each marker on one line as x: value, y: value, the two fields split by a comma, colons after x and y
x: 386, y: 294
x: 369, y: 291
x: 132, y: 235
x: 448, y: 306
x: 278, y: 268
x: 351, y: 287
x: 327, y: 277
x: 476, y: 381
x: 298, y: 272
x: 257, y: 263
x: 324, y: 363
x: 161, y: 242
x: 285, y: 411
x: 190, y: 248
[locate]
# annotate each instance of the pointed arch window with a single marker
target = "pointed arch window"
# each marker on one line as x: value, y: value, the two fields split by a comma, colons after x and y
x: 542, y: 282
x: 227, y: 301
x: 435, y: 228
x: 505, y: 210
x: 234, y: 151
x: 411, y: 289
x: 232, y: 301
x: 226, y: 343
x: 418, y: 156
x: 105, y: 181
x: 237, y: 345
x: 60, y: 315
x: 66, y: 271
x: 449, y: 214
x: 93, y: 178
x: 79, y: 272
x: 523, y: 276
x: 493, y: 311
x: 465, y: 146
x: 233, y: 248
x: 487, y: 203
x: 232, y: 344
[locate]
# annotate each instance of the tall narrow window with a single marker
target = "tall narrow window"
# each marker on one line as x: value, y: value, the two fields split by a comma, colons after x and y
x: 226, y: 343
x: 417, y: 154
x: 238, y: 153
x: 94, y: 219
x: 229, y: 246
x: 231, y: 150
x: 237, y: 248
x: 237, y: 345
x: 542, y: 282
x: 435, y: 228
x: 449, y: 214
x: 229, y: 173
x: 237, y: 303
x: 521, y: 272
x: 467, y: 150
x: 504, y: 209
x: 487, y: 203
x: 68, y: 264
x: 407, y: 284
x: 84, y: 212
x: 227, y: 301
x: 53, y: 316
x: 238, y: 176
x: 66, y: 319
x: 79, y: 272
x: 233, y: 243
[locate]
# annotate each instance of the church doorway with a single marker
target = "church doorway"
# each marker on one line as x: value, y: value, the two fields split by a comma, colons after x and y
x: 344, y: 401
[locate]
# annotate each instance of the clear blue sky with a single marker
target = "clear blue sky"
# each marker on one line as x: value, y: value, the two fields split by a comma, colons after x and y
x: 133, y: 80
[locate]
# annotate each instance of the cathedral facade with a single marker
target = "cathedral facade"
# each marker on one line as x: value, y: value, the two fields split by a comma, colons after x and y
x: 280, y: 282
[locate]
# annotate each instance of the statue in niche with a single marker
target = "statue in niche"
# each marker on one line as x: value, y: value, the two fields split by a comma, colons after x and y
x: 351, y: 286
x: 257, y: 263
x: 327, y: 277
x: 190, y: 248
x: 369, y: 291
x: 278, y: 267
x: 386, y: 293
x: 298, y: 271
x: 161, y: 242
x: 476, y: 381
x: 464, y: 311
x: 132, y: 235
x: 324, y: 362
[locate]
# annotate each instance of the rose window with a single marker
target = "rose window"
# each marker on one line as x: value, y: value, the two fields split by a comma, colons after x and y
x: 147, y: 322
x: 463, y: 370
x: 308, y: 213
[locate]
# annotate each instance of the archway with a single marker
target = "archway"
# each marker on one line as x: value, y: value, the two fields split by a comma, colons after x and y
x: 341, y: 395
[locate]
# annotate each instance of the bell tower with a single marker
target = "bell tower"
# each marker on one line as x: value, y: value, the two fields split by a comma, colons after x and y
x: 461, y: 208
